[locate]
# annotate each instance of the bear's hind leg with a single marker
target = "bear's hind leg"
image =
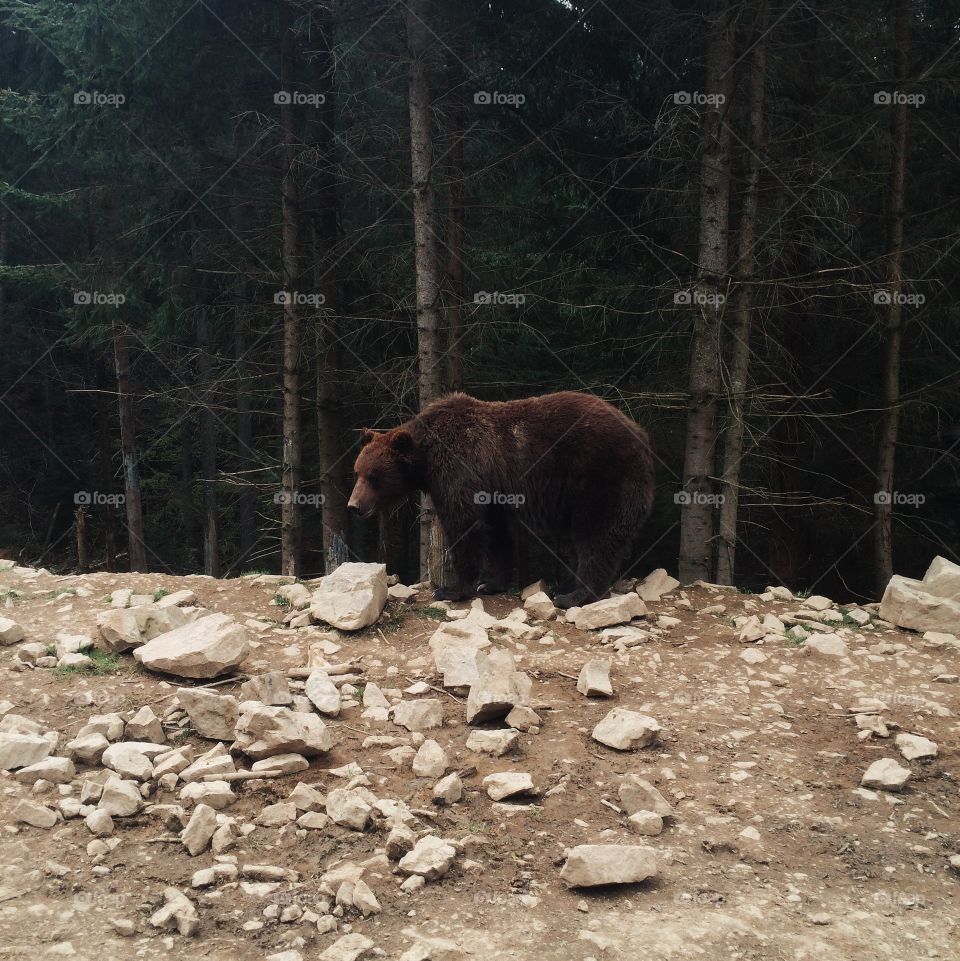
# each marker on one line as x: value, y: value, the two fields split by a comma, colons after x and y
x: 466, y: 549
x: 498, y: 556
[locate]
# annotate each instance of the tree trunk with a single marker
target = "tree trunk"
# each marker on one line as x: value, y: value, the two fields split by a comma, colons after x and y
x: 128, y: 448
x: 208, y: 450
x: 893, y: 333
x: 187, y: 515
x: 743, y: 309
x: 105, y: 469
x: 80, y: 525
x: 247, y: 502
x: 697, y: 500
x: 290, y: 492
x: 456, y: 268
x: 426, y: 247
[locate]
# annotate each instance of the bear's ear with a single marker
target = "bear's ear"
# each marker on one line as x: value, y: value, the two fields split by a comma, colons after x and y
x: 366, y: 435
x: 402, y: 441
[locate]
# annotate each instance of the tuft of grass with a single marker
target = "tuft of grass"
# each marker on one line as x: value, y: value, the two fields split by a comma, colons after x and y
x: 160, y: 592
x: 52, y: 650
x: 478, y: 827
x: 795, y: 639
x: 280, y: 601
x: 103, y: 664
x: 434, y: 613
x: 536, y: 812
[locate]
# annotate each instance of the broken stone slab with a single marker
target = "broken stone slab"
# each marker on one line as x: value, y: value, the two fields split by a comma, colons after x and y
x: 145, y: 726
x: 589, y: 865
x: 928, y: 605
x: 913, y: 747
x: 817, y: 602
x: 215, y: 794
x: 10, y: 632
x: 613, y: 610
x: 271, y: 688
x: 276, y: 815
x: 131, y: 759
x: 420, y: 715
x: 177, y: 914
x: 647, y: 823
x: 36, y: 815
x: 457, y: 664
x: 347, y: 948
x: 498, y: 689
x: 215, y: 761
x: 540, y: 606
x: 56, y: 770
x: 213, y: 645
x: 196, y: 836
x: 296, y: 595
x: 496, y: 743
x: 211, y: 715
x: 402, y: 593
x: 264, y: 731
x: 352, y: 597
x: 350, y: 807
x: 448, y: 790
x: 323, y: 693
x: 523, y: 718
x: 655, y: 585
x: 886, y: 774
x: 430, y: 760
x: 594, y: 680
x: 829, y: 645
x: 430, y: 858
x: 120, y: 798
x: 285, y: 763
x: 506, y: 784
x: 637, y: 794
x: 22, y: 750
x: 942, y: 579
x: 626, y: 730
x: 109, y: 725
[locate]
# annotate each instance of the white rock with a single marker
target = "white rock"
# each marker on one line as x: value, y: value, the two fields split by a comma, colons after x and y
x: 430, y: 761
x: 178, y: 914
x: 211, y: 715
x: 830, y: 645
x: 430, y: 858
x: 656, y: 584
x: 498, y: 688
x: 215, y: 761
x: 352, y: 597
x: 523, y: 718
x: 364, y: 900
x: 36, y: 815
x: 421, y: 715
x: 99, y: 823
x: 887, y: 774
x: 323, y: 693
x: 21, y: 750
x: 276, y: 815
x: 817, y: 603
x: 752, y: 656
x: 637, y: 794
x: 540, y: 606
x: 215, y: 794
x: 212, y: 645
x: 594, y: 680
x: 606, y: 613
x: 625, y: 730
x: 128, y: 760
x: 647, y: 823
x: 448, y: 790
x: 917, y: 606
x: 264, y: 731
x: 288, y: 763
x: 402, y: 593
x: 349, y: 807
x: 56, y: 770
x: 348, y: 948
x: 496, y: 743
x: 270, y: 688
x: 120, y: 799
x: 913, y: 747
x: 296, y: 595
x: 10, y: 632
x: 588, y: 865
x: 197, y: 834
x: 506, y: 784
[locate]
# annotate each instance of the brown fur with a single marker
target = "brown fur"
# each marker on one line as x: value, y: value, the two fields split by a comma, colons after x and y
x: 564, y: 464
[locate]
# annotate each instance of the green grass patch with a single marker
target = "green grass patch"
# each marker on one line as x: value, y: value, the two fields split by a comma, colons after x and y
x: 433, y: 613
x: 160, y: 592
x: 280, y: 600
x: 103, y: 664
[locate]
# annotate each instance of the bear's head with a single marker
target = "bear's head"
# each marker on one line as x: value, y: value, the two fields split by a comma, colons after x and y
x: 386, y: 471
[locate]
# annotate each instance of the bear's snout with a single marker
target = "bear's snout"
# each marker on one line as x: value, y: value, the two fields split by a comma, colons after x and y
x: 360, y: 501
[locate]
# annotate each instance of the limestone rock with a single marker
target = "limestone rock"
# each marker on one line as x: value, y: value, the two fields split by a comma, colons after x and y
x: 264, y: 731
x: 21, y: 750
x: 507, y: 784
x: 430, y: 858
x: 421, y: 715
x: 498, y: 688
x: 178, y: 914
x: 347, y: 948
x: 208, y: 647
x: 448, y: 790
x: 496, y: 743
x: 626, y: 730
x: 10, y: 632
x: 614, y: 610
x: 911, y: 746
x: 211, y: 715
x: 648, y: 823
x: 197, y: 834
x: 349, y: 807
x: 216, y: 794
x: 887, y: 774
x: 56, y: 770
x: 540, y: 606
x: 589, y: 865
x: 656, y: 584
x: 594, y: 680
x: 932, y: 604
x: 120, y: 798
x: 270, y: 688
x: 637, y: 794
x: 323, y: 693
x: 830, y: 645
x: 352, y: 597
x: 36, y: 815
x: 430, y: 761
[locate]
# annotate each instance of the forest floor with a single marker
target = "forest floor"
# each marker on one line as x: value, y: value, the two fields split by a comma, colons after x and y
x: 826, y: 870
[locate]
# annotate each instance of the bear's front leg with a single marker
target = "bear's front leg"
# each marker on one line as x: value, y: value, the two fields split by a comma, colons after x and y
x: 465, y: 544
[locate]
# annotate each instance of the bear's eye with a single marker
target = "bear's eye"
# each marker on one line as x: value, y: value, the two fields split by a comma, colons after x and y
x: 373, y: 480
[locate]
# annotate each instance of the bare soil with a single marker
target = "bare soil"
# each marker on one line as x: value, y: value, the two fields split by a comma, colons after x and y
x: 835, y: 875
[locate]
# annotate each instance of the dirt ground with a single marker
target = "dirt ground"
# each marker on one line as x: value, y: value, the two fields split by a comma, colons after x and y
x: 832, y: 873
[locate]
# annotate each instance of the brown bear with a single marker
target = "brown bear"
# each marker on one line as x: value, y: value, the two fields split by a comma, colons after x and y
x: 565, y: 464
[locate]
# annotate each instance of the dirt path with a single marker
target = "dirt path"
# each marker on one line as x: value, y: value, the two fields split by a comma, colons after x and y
x: 825, y: 870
